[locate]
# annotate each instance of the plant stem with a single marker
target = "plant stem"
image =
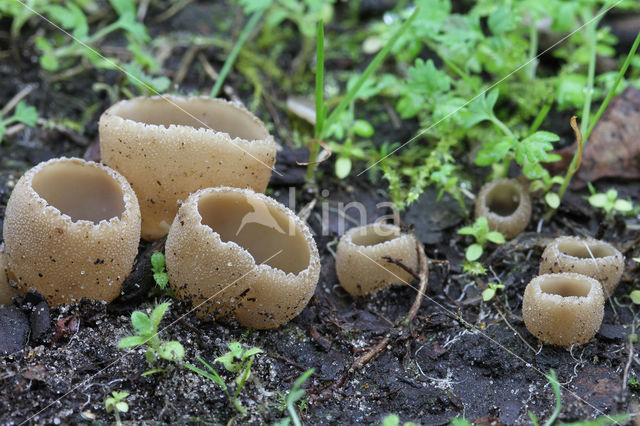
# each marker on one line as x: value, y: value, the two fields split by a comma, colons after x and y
x: 244, y: 35
x: 612, y: 91
x: 542, y: 114
x: 533, y: 49
x: 320, y: 107
x: 586, y: 109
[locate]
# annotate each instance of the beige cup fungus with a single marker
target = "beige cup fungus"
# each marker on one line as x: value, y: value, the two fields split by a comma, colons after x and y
x: 506, y: 204
x: 237, y: 254
x: 360, y: 265
x: 587, y: 256
x: 71, y: 230
x: 170, y: 146
x: 563, y: 309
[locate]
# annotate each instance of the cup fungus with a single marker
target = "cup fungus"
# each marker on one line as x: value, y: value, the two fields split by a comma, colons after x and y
x: 359, y: 263
x: 71, y: 230
x: 587, y: 256
x: 241, y: 255
x: 563, y: 309
x: 169, y: 147
x: 506, y: 204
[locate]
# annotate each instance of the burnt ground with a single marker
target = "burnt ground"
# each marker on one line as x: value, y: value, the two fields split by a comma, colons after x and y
x: 459, y: 357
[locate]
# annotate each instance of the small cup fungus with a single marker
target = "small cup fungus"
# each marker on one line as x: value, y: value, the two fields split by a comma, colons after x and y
x: 71, y: 230
x: 587, y: 256
x: 563, y: 309
x: 506, y: 204
x: 169, y: 147
x: 359, y: 263
x: 238, y: 254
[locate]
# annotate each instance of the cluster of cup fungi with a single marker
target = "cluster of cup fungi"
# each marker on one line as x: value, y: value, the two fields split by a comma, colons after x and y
x: 194, y: 169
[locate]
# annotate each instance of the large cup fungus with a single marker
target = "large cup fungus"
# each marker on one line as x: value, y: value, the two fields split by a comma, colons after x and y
x: 238, y: 254
x: 506, y: 204
x: 360, y: 265
x: 71, y: 230
x: 169, y: 146
x: 587, y: 256
x: 563, y: 309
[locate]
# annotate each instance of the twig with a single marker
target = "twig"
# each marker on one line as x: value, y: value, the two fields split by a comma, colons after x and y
x: 185, y: 63
x: 167, y: 14
x: 207, y: 67
x: 396, y: 262
x: 629, y: 360
x: 17, y: 98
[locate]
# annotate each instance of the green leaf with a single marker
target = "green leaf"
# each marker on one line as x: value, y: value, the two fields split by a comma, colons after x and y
x: 171, y: 351
x: 571, y: 91
x: 466, y: 230
x: 488, y: 293
x: 635, y: 296
x: 49, y: 62
x: 161, y: 279
x: 502, y: 20
x: 391, y: 420
x: 157, y: 262
x: 552, y: 199
x: 598, y: 200
x: 474, y: 251
x: 213, y: 376
x: 3, y: 128
x: 158, y: 313
x: 141, y: 322
x: 123, y: 407
x: 343, y: 167
x: 131, y: 341
x: 363, y: 128
x: 426, y: 79
x: 494, y: 151
x: 26, y: 114
x: 623, y: 206
x: 481, y: 108
x: 495, y: 237
x: 473, y: 268
x: 535, y: 147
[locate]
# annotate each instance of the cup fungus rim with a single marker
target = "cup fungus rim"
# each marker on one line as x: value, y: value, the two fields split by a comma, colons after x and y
x: 492, y: 186
x: 313, y: 262
x: 556, y: 298
x: 123, y: 185
x: 110, y: 113
x: 348, y: 236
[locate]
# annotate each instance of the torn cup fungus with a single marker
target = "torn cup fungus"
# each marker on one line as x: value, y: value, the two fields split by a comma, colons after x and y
x: 233, y: 253
x: 563, y: 309
x: 359, y: 263
x: 170, y: 146
x: 71, y: 230
x: 587, y: 256
x: 506, y: 204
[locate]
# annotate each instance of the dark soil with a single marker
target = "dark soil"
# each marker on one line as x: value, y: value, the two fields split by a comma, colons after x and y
x: 459, y: 357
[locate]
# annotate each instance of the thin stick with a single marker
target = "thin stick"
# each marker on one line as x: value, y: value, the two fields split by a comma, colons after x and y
x: 504, y: 318
x: 17, y: 98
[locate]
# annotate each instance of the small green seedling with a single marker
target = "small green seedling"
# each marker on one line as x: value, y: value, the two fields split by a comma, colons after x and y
x: 23, y: 114
x: 295, y: 395
x: 489, y: 293
x: 147, y: 334
x: 460, y: 421
x: 481, y: 233
x: 160, y: 275
x: 116, y: 404
x: 609, y: 202
x: 394, y: 420
x: 237, y: 360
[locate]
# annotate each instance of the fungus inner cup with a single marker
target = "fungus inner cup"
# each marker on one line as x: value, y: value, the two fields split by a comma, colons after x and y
x: 503, y: 199
x: 199, y: 114
x: 565, y: 287
x: 82, y: 193
x: 370, y: 236
x: 585, y: 250
x: 238, y: 219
